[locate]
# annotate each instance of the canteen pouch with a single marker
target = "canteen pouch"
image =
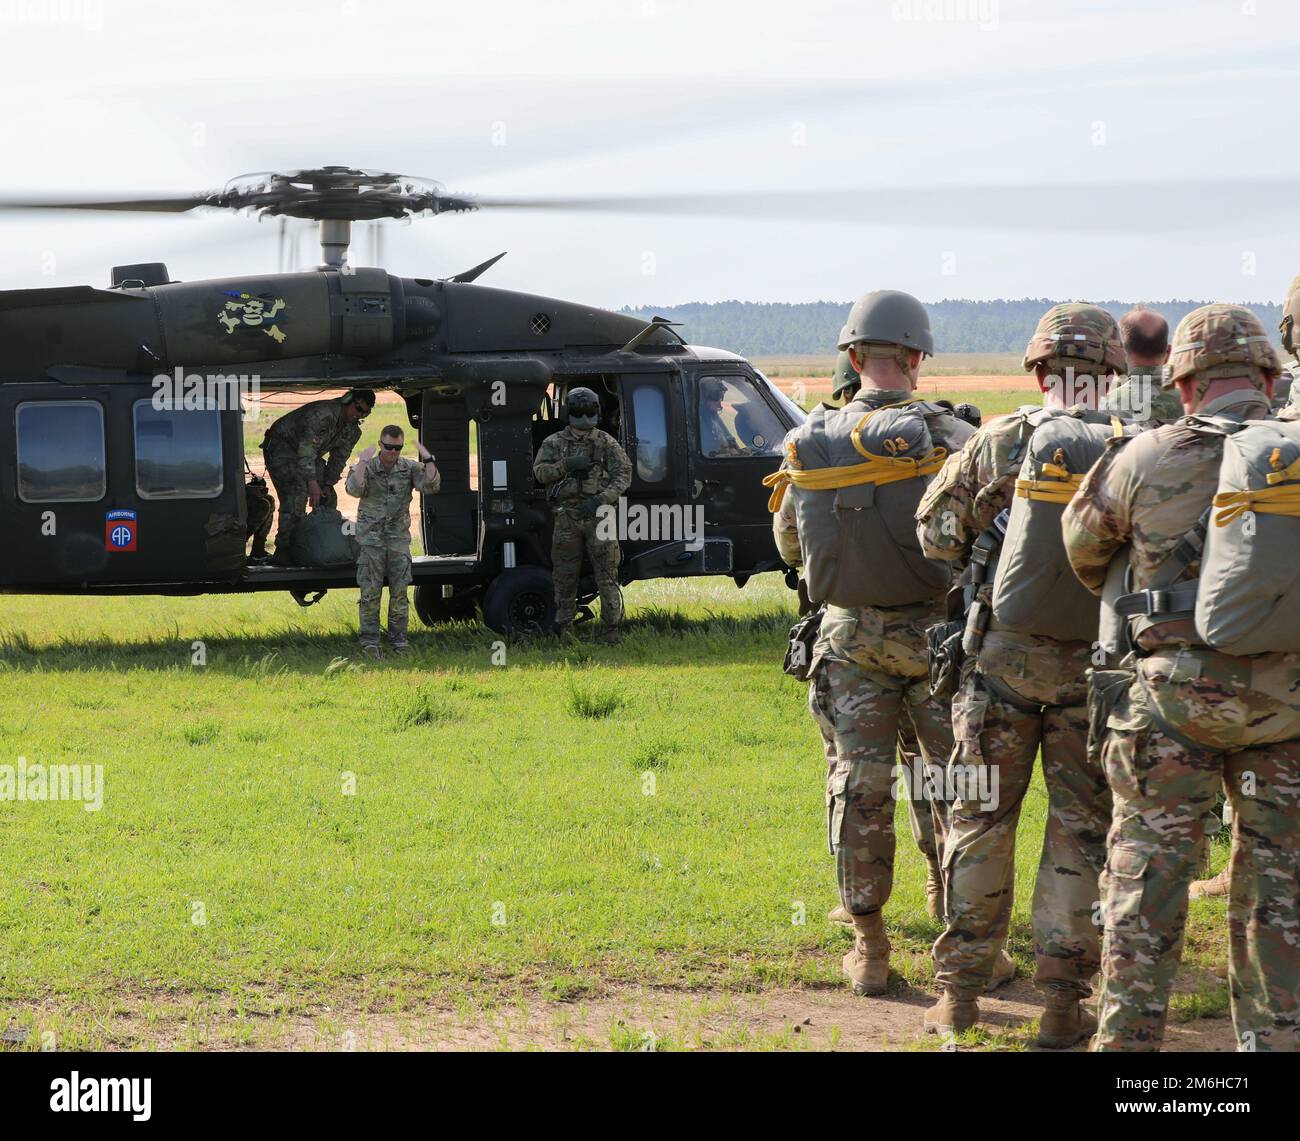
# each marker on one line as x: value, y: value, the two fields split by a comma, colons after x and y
x: 946, y: 657
x: 799, y: 649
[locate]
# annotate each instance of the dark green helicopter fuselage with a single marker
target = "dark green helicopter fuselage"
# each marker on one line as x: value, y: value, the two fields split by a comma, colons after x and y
x: 483, y: 373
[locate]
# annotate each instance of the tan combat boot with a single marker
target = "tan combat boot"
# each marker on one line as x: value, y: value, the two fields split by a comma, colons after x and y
x: 1004, y: 970
x: 867, y: 965
x: 841, y: 915
x: 953, y: 1013
x: 933, y: 889
x: 1065, y: 1022
x: 1206, y: 889
x: 609, y: 636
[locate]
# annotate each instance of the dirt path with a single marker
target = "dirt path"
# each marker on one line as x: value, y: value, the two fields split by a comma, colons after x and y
x: 792, y: 1018
x: 624, y: 1018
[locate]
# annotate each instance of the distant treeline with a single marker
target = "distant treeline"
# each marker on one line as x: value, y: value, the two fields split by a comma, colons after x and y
x: 757, y: 329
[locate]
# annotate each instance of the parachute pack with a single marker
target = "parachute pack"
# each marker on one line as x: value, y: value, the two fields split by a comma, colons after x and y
x: 857, y: 481
x: 1034, y: 590
x: 1247, y: 597
x: 319, y: 540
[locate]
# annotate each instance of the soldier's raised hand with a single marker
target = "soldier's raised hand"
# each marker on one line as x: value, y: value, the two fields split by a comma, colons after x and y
x: 368, y: 454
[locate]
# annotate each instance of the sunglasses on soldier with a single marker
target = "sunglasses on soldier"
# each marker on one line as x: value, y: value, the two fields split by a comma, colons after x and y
x: 391, y: 447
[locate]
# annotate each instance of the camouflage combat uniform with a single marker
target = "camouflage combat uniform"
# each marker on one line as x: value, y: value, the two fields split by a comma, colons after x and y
x: 1142, y: 399
x: 296, y: 447
x: 1182, y: 720
x: 1287, y: 406
x: 384, y: 535
x: 1186, y: 725
x: 609, y: 476
x: 1022, y: 693
x: 260, y: 515
x: 870, y: 679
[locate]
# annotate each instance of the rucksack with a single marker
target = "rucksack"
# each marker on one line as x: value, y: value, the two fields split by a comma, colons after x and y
x: 1035, y: 591
x: 857, y: 481
x: 321, y: 540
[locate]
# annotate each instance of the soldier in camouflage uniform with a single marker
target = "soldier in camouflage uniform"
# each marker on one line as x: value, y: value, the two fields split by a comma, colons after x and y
x: 1019, y: 694
x: 845, y: 383
x: 306, y: 451
x: 1182, y: 720
x: 870, y: 665
x: 260, y: 509
x: 584, y: 470
x: 1141, y: 397
x: 383, y: 486
x: 1286, y: 396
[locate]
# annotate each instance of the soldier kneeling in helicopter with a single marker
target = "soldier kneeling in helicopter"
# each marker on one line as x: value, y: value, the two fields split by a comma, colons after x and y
x: 296, y: 448
x: 583, y: 469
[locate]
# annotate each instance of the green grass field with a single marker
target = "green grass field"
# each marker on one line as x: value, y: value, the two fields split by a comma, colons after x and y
x: 449, y: 829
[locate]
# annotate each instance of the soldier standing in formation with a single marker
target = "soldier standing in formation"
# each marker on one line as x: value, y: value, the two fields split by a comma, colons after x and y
x: 1141, y: 397
x: 869, y: 670
x: 306, y: 451
x: 383, y: 485
x: 1019, y: 693
x: 584, y: 469
x: 1184, y: 720
x: 845, y: 384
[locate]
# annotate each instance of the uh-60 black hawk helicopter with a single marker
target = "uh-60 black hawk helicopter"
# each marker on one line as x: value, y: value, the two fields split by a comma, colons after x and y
x: 106, y: 490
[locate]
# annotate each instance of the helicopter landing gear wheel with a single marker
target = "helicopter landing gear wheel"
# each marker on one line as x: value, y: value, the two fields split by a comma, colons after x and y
x: 433, y: 608
x: 520, y: 601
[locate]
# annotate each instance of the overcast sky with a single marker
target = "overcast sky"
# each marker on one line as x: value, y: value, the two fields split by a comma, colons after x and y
x: 574, y: 97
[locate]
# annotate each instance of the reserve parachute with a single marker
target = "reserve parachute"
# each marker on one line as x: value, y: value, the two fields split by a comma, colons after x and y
x: 1248, y: 598
x: 1034, y: 590
x: 857, y: 481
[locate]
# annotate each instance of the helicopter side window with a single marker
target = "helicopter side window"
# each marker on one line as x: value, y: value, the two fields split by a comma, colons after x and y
x: 177, y: 452
x: 60, y: 451
x: 651, y: 418
x: 735, y: 421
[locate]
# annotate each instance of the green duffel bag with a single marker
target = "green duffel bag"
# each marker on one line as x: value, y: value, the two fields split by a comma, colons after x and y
x: 324, y: 539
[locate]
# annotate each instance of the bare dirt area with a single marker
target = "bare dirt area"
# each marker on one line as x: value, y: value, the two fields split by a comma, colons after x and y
x: 619, y: 1018
x: 819, y: 387
x: 796, y: 1018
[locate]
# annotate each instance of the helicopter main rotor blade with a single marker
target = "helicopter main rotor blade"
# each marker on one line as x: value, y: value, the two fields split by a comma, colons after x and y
x: 1097, y: 207
x: 160, y: 205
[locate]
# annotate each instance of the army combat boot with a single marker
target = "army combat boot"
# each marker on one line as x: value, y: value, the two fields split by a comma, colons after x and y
x: 867, y: 965
x: 1065, y: 1021
x: 933, y: 889
x: 610, y: 636
x: 840, y: 915
x: 953, y: 1013
x: 1206, y: 889
x: 1004, y: 970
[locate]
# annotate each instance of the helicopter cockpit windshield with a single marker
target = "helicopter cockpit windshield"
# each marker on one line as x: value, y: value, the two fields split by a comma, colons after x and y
x: 797, y: 414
